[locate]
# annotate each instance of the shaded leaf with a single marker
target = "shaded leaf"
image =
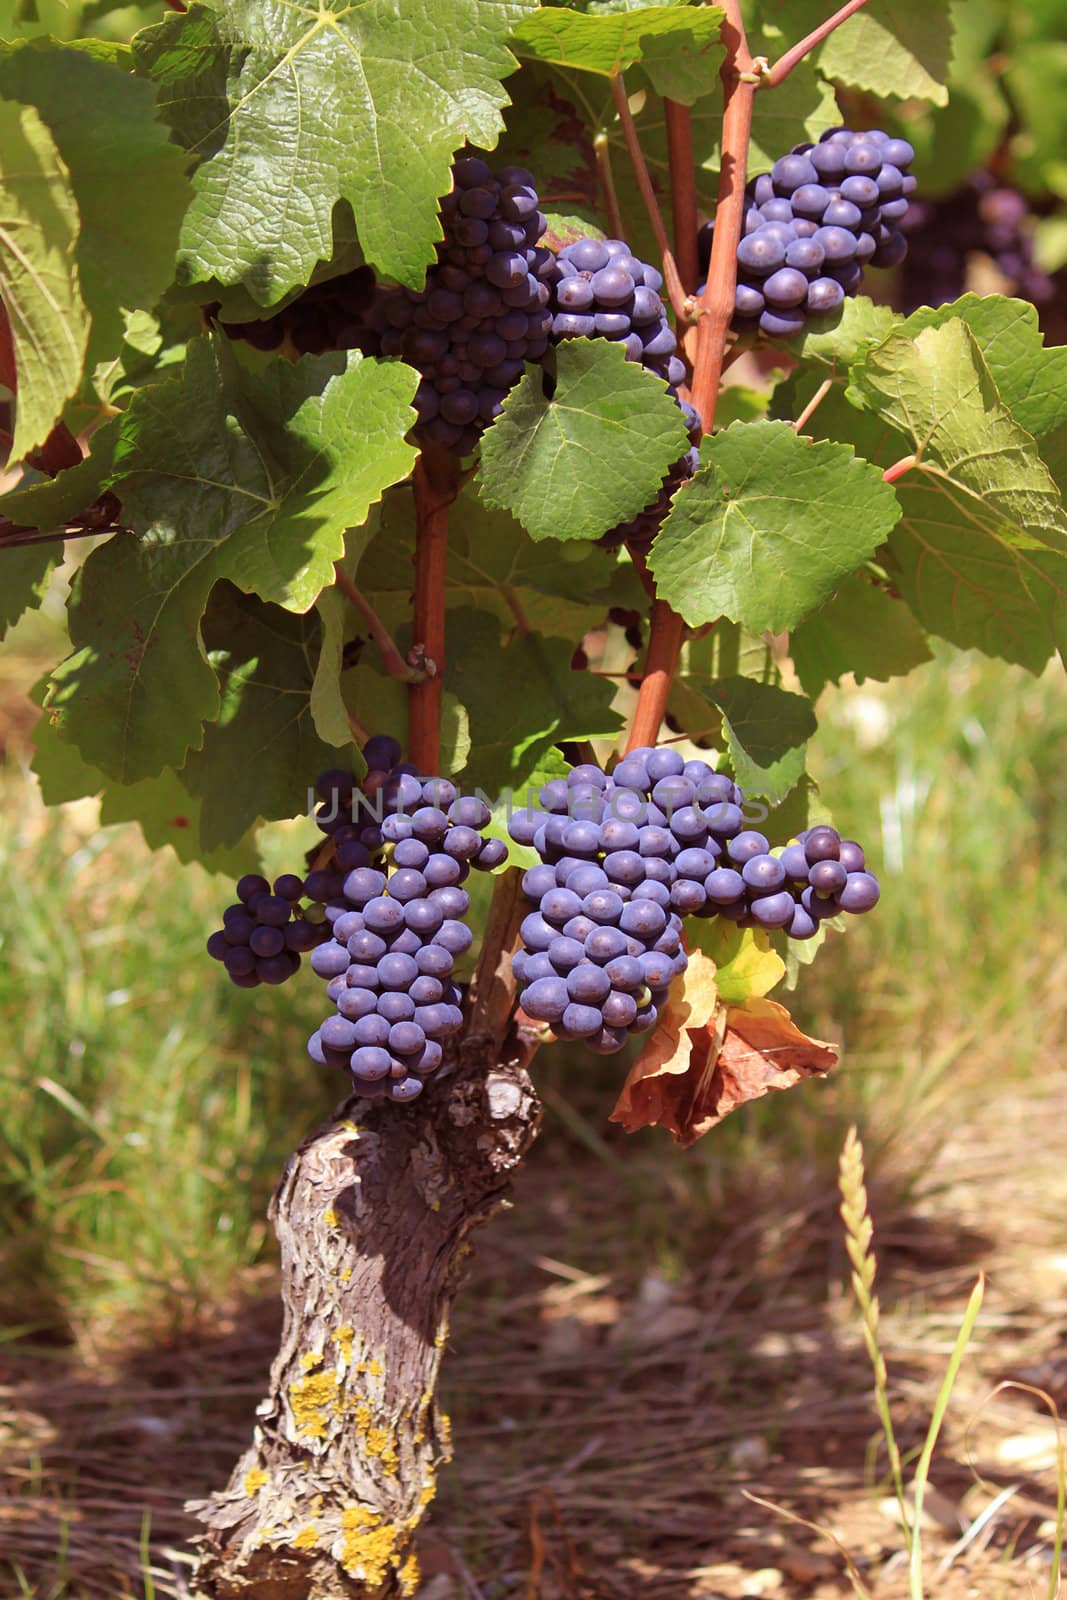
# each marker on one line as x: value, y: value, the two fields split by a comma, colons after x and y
x: 258, y: 759
x: 379, y: 701
x: 225, y: 475
x: 557, y: 704
x: 862, y: 629
x: 127, y: 177
x: 891, y: 47
x: 23, y: 579
x: 766, y: 730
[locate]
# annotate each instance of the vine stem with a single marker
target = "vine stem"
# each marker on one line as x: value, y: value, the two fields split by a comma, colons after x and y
x: 672, y: 281
x: 740, y: 81
x: 785, y: 64
x: 436, y: 483
x: 813, y: 404
x: 392, y: 660
x: 899, y: 468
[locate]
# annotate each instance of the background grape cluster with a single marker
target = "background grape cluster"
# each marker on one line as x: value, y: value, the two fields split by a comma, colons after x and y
x: 983, y: 217
x: 813, y: 223
x: 625, y: 857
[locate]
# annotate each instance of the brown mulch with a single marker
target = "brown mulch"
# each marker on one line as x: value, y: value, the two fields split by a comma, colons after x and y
x: 610, y: 1418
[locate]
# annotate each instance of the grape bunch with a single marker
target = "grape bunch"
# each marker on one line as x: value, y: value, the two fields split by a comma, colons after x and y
x: 813, y: 223
x: 330, y: 315
x: 601, y: 290
x: 482, y: 311
x: 395, y: 925
x: 265, y: 932
x: 625, y: 856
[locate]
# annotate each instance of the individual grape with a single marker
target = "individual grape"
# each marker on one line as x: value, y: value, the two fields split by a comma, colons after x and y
x: 724, y: 886
x: 824, y: 296
x: 773, y: 910
x: 453, y: 936
x: 790, y: 173
x: 240, y: 960
x: 588, y: 984
x: 546, y: 999
x: 763, y: 873
x: 860, y: 893
x: 396, y: 1006
x: 810, y: 200
x: 801, y: 925
x: 370, y: 1063
x: 762, y: 252
x: 850, y: 855
x: 827, y: 878
x: 329, y: 960
x: 795, y: 862
x: 822, y: 844
x: 250, y: 885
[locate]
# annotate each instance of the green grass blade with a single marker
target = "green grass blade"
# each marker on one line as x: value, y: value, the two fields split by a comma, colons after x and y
x: 922, y: 1471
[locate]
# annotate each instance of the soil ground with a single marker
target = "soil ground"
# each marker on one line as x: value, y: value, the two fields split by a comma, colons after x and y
x: 612, y: 1419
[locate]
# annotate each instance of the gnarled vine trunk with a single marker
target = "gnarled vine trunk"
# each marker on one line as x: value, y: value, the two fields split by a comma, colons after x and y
x: 373, y: 1213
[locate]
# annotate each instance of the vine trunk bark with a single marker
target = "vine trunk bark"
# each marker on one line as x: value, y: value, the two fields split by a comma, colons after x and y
x: 374, y: 1214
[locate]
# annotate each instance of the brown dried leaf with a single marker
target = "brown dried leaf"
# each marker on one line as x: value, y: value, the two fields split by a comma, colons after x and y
x: 693, y: 1073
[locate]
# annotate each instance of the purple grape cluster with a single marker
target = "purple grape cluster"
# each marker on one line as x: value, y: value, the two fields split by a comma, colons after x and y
x: 813, y: 223
x: 395, y: 925
x: 600, y: 290
x: 625, y: 857
x: 265, y: 932
x: 482, y: 311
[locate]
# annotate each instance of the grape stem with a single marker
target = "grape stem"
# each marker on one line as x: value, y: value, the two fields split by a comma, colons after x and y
x: 899, y: 468
x: 607, y: 184
x: 672, y: 281
x: 740, y: 82
x: 785, y: 64
x: 435, y: 481
x: 392, y: 660
x: 813, y: 404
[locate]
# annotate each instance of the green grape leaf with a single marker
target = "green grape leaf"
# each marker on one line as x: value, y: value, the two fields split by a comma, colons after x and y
x: 493, y: 565
x: 47, y: 503
x: 259, y: 757
x: 677, y: 44
x: 767, y: 528
x: 128, y: 178
x: 837, y: 342
x: 39, y: 285
x: 861, y: 630
x: 766, y: 731
x: 591, y: 457
x: 25, y: 571
x: 981, y: 550
x: 891, y: 47
x: 1031, y: 380
x: 290, y: 111
x: 225, y: 475
x: 557, y: 704
x: 165, y: 811
x: 745, y: 963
